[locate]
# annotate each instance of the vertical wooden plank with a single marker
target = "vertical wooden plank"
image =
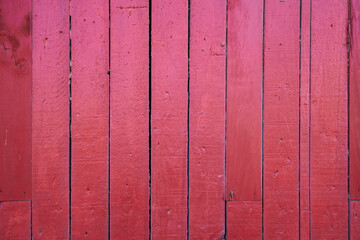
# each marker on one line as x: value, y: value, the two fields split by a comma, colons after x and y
x: 90, y: 118
x: 281, y: 119
x: 15, y: 100
x: 244, y: 220
x: 354, y: 220
x: 304, y: 120
x: 328, y: 149
x: 354, y: 118
x: 354, y: 100
x: 169, y: 105
x: 15, y: 220
x: 207, y: 119
x: 129, y: 106
x: 244, y: 101
x: 244, y: 119
x: 50, y: 113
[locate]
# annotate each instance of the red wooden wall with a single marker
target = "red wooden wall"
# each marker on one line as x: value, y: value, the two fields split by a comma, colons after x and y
x: 180, y: 119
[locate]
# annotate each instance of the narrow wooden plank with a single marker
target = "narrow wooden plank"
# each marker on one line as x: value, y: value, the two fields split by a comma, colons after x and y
x: 244, y: 220
x: 281, y: 119
x: 90, y: 118
x: 129, y: 106
x: 304, y: 120
x: 354, y: 100
x: 169, y: 119
x: 328, y: 136
x: 244, y: 119
x: 50, y: 113
x: 15, y: 100
x: 244, y: 100
x: 15, y: 220
x: 354, y: 220
x: 207, y: 119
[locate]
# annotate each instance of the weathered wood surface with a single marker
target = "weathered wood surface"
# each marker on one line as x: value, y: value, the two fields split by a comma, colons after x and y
x: 305, y: 121
x: 50, y: 114
x: 329, y: 118
x: 244, y: 220
x: 354, y: 220
x: 169, y: 106
x: 354, y: 100
x: 129, y: 120
x: 89, y: 118
x: 15, y: 220
x: 281, y: 119
x: 207, y: 119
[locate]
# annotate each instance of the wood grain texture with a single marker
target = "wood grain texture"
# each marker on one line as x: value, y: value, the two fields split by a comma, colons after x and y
x: 281, y: 119
x: 354, y: 100
x: 207, y: 119
x: 354, y: 220
x: 244, y: 220
x: 328, y: 142
x: 169, y: 119
x: 50, y: 114
x: 129, y: 109
x: 90, y: 118
x: 244, y: 101
x: 305, y: 120
x: 15, y: 220
x: 15, y: 100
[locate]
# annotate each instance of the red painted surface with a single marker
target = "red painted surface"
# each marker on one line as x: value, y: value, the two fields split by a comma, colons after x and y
x: 15, y: 100
x: 207, y: 119
x: 281, y: 119
x: 50, y: 112
x: 90, y: 118
x: 305, y: 136
x: 15, y: 220
x: 244, y: 119
x: 129, y: 109
x: 354, y: 100
x: 244, y: 100
x: 354, y: 220
x: 169, y: 61
x: 305, y: 121
x: 328, y: 136
x: 244, y: 220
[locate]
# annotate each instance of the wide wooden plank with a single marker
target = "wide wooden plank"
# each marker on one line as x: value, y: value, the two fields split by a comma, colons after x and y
x: 328, y: 134
x: 244, y: 101
x: 50, y: 114
x: 354, y: 220
x: 305, y: 120
x: 281, y: 119
x: 354, y: 100
x: 15, y: 100
x: 129, y: 116
x: 90, y: 118
x: 207, y: 119
x: 15, y: 220
x: 169, y: 79
x: 244, y: 220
